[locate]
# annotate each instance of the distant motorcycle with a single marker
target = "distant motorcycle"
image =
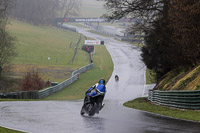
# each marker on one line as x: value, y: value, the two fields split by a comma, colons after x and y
x: 91, y: 106
x: 116, y: 78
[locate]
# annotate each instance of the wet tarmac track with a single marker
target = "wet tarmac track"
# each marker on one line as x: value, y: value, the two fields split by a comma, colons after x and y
x: 64, y: 116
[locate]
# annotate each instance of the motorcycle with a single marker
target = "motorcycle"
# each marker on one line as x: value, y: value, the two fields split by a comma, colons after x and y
x: 91, y: 106
x: 116, y: 78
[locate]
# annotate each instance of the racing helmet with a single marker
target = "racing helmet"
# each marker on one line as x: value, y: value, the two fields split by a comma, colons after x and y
x: 102, y: 81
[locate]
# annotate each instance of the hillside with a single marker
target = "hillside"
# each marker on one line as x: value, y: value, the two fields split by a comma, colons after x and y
x: 36, y: 44
x: 47, y: 49
x: 181, y: 79
x: 50, y: 50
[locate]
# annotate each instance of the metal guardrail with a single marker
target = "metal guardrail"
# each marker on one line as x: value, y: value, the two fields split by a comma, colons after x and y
x: 66, y: 27
x: 83, y: 69
x: 177, y: 99
x: 60, y: 86
x: 21, y: 95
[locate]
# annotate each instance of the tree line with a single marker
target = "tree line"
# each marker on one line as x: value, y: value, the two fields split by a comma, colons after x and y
x: 171, y: 27
x: 40, y: 12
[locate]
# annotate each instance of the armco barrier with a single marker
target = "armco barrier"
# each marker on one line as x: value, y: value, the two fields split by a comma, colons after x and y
x: 177, y: 99
x: 21, y: 95
x: 83, y: 69
x: 58, y: 87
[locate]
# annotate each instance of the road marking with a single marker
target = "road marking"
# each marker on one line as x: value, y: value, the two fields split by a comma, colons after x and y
x: 144, y: 83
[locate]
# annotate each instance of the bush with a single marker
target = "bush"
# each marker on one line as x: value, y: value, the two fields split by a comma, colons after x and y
x: 32, y: 81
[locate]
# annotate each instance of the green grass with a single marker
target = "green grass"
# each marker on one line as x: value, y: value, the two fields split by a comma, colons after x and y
x: 10, y: 100
x: 150, y: 77
x: 5, y: 130
x: 180, y: 79
x: 139, y: 45
x: 103, y: 67
x: 145, y: 105
x: 35, y: 44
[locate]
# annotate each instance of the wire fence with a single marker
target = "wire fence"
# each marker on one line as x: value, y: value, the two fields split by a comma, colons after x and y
x: 76, y: 49
x: 40, y: 60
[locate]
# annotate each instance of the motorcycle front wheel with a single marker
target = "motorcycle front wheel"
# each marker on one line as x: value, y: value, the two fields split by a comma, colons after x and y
x: 90, y: 108
x: 82, y: 111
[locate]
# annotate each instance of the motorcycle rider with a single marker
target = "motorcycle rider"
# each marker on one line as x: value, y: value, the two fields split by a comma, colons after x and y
x: 97, y: 92
x: 116, y: 78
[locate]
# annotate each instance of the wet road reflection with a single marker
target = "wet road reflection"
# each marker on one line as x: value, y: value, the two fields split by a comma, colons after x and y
x: 64, y: 117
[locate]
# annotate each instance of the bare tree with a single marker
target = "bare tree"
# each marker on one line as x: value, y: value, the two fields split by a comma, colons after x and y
x: 69, y: 7
x: 43, y: 11
x: 35, y: 11
x: 6, y: 45
x: 146, y: 11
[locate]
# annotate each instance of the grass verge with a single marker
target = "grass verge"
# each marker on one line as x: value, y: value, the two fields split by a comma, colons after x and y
x: 180, y: 79
x: 10, y: 100
x: 6, y: 130
x: 145, y: 105
x: 150, y: 77
x: 103, y: 67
